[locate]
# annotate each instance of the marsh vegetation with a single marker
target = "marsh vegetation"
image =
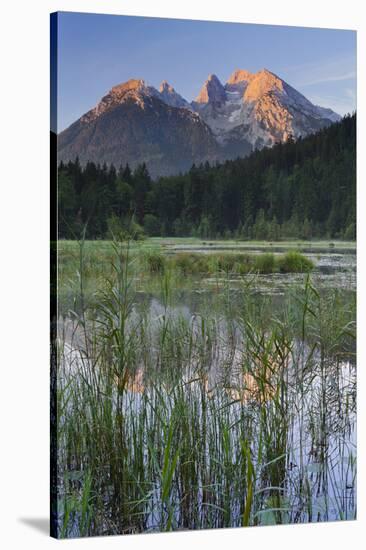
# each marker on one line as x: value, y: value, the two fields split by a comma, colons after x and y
x: 188, y: 398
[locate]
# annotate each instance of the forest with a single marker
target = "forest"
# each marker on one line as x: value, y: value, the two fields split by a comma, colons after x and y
x: 303, y: 189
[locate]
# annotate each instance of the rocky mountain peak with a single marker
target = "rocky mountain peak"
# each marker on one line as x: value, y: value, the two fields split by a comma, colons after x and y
x: 212, y: 91
x: 131, y: 85
x: 251, y: 111
x: 239, y: 75
x: 168, y: 94
x: 263, y: 82
x: 135, y: 89
x: 166, y: 87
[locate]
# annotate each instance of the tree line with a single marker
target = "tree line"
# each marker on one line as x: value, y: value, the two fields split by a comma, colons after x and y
x: 299, y: 189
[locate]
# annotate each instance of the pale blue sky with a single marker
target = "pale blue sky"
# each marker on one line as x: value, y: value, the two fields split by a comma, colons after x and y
x: 96, y: 52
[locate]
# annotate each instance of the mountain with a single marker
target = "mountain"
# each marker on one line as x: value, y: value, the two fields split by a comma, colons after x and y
x: 301, y: 189
x: 212, y: 93
x: 136, y: 123
x: 260, y: 109
x: 171, y: 97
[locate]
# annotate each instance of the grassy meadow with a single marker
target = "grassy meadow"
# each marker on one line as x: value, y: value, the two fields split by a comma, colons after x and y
x: 187, y: 399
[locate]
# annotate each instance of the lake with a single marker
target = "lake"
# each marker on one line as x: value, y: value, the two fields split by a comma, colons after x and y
x: 206, y: 401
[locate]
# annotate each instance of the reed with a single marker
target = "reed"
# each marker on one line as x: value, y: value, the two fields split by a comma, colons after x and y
x: 238, y: 415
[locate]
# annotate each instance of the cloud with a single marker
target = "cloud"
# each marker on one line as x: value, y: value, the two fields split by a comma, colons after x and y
x: 331, y: 70
x: 330, y: 78
x: 342, y: 104
x: 328, y: 82
x: 350, y: 93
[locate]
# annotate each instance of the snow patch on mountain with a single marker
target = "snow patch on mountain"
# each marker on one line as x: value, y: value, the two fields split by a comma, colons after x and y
x: 249, y: 111
x: 260, y: 108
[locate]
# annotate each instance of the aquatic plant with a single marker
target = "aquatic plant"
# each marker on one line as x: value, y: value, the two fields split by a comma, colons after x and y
x: 235, y: 416
x: 295, y: 262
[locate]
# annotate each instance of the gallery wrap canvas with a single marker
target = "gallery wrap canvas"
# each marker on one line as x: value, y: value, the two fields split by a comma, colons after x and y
x: 203, y: 275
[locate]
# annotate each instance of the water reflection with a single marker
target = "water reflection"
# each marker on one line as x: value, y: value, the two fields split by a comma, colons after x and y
x: 203, y: 391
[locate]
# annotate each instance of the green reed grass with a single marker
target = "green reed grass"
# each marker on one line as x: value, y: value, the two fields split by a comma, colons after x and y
x: 225, y: 418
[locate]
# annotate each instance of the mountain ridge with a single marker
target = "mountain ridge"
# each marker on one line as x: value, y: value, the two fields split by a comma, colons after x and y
x: 248, y: 112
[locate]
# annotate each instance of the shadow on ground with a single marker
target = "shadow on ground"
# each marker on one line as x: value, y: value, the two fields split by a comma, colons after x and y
x: 41, y: 525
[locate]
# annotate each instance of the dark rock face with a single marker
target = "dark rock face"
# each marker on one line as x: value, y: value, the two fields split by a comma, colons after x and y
x: 211, y: 92
x: 171, y: 97
x: 167, y: 139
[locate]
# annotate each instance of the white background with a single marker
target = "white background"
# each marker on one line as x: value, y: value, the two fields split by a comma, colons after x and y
x: 24, y: 288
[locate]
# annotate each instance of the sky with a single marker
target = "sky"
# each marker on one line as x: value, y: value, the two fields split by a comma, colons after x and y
x: 96, y: 52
